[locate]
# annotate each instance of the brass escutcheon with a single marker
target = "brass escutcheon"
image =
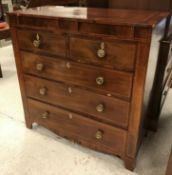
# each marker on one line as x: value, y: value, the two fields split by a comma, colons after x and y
x: 99, y: 135
x: 45, y: 115
x: 37, y: 41
x: 101, y: 53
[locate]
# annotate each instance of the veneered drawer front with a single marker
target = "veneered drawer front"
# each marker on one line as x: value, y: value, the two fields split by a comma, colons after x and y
x: 60, y: 25
x: 79, y: 128
x: 116, y: 54
x: 102, y: 80
x: 41, y: 41
x: 107, y: 109
x: 115, y: 31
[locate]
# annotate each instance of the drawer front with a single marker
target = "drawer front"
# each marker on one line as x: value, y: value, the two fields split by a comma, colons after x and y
x: 41, y: 41
x: 116, y: 31
x: 104, y: 81
x: 100, y: 107
x: 59, y: 25
x: 78, y: 128
x: 119, y: 55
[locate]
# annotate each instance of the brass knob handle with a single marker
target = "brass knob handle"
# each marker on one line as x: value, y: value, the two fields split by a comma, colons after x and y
x: 101, y: 53
x: 43, y: 91
x: 99, y: 135
x: 37, y: 41
x: 45, y: 115
x: 100, y: 81
x: 100, y: 108
x: 39, y: 67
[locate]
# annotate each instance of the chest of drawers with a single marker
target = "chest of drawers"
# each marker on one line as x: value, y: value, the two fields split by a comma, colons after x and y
x: 87, y: 74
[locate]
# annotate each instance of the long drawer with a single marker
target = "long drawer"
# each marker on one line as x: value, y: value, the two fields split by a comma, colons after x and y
x: 112, y: 54
x: 105, y: 81
x: 41, y: 41
x: 83, y: 130
x: 107, y: 109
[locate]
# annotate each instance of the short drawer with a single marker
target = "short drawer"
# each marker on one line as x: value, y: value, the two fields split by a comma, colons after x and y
x: 79, y: 128
x: 101, y: 80
x: 116, y: 54
x: 107, y: 109
x: 60, y: 25
x: 115, y: 31
x: 41, y: 41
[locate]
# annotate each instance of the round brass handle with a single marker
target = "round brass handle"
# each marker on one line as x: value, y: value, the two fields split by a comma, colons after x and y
x: 101, y: 53
x: 37, y: 41
x: 39, y: 67
x: 99, y: 135
x: 100, y: 81
x: 43, y: 91
x: 100, y: 108
x: 45, y: 115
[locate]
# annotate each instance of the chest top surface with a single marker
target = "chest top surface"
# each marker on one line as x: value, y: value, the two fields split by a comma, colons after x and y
x: 96, y: 15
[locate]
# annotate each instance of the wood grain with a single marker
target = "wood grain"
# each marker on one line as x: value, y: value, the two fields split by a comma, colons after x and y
x: 75, y: 127
x: 83, y: 101
x: 115, y: 82
x: 59, y: 77
x: 95, y: 15
x: 115, y: 56
x: 49, y: 42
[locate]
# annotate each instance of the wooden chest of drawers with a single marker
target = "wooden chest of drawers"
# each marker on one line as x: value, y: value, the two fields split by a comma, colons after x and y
x: 87, y: 74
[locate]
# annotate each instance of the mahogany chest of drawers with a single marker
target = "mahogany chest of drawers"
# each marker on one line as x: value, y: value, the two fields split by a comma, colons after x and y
x: 87, y: 74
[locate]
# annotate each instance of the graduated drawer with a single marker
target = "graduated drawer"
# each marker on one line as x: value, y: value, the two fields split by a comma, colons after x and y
x: 42, y: 41
x: 100, y: 107
x: 112, y: 54
x: 101, y: 80
x: 78, y: 128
